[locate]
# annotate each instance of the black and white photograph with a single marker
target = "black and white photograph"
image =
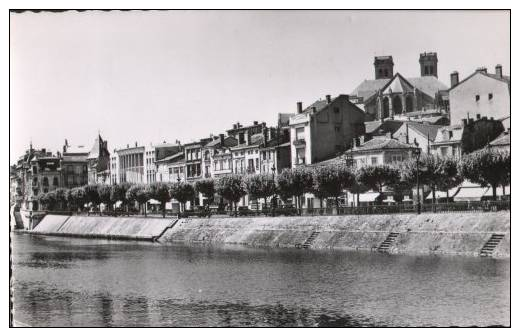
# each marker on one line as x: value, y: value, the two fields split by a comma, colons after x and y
x: 259, y: 167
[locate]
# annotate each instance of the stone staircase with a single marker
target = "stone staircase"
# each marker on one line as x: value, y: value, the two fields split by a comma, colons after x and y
x: 308, y: 241
x: 390, y: 239
x: 491, y: 244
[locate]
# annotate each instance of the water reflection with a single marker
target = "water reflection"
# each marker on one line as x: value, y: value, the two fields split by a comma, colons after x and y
x: 69, y: 282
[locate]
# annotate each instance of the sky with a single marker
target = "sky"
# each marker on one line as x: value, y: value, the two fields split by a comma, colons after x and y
x: 157, y: 76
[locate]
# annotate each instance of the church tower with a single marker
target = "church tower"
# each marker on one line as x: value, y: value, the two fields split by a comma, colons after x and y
x: 384, y: 67
x: 428, y: 62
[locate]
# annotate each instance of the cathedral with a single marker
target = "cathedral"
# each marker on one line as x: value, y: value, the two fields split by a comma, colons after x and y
x: 392, y: 96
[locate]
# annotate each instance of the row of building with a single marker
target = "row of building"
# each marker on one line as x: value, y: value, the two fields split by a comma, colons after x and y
x: 384, y: 120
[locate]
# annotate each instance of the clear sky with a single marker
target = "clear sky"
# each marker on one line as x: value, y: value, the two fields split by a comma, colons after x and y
x: 157, y: 75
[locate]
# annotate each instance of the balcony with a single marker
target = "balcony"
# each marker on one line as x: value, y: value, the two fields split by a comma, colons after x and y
x: 299, y: 142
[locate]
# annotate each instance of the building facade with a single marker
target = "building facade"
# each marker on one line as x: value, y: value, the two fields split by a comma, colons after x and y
x: 74, y: 165
x: 98, y: 162
x: 481, y: 93
x: 324, y: 129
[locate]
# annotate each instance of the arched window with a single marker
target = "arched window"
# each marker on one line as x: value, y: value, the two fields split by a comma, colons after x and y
x: 45, y: 181
x: 409, y: 103
x: 397, y: 105
x: 386, y: 108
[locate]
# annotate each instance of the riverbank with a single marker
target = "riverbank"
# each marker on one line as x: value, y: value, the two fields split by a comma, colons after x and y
x: 459, y: 233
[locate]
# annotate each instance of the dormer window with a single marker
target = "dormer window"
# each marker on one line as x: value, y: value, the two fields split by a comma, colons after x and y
x: 490, y: 96
x: 477, y: 97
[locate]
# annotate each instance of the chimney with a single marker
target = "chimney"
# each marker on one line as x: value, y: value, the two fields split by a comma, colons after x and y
x: 136, y: 143
x: 299, y: 107
x: 478, y: 116
x: 313, y: 110
x: 44, y: 151
x: 234, y: 126
x: 498, y: 71
x: 264, y: 132
x: 328, y: 99
x: 361, y: 140
x: 481, y: 69
x: 255, y: 122
x: 471, y: 121
x: 484, y: 118
x: 464, y: 122
x: 454, y: 78
x: 221, y: 136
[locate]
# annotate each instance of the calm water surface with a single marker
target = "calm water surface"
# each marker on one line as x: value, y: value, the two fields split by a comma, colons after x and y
x: 80, y: 282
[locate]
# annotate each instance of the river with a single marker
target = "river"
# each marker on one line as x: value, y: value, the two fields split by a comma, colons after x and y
x: 81, y: 282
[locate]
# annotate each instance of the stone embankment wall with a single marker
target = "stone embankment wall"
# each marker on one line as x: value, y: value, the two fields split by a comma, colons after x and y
x: 103, y: 227
x: 428, y: 233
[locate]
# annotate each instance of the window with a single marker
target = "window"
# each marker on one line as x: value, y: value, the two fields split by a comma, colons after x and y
x: 490, y: 96
x: 336, y: 128
x: 444, y: 151
x: 397, y: 158
x: 300, y: 156
x: 300, y: 133
x: 374, y: 160
x: 55, y: 182
x: 336, y: 110
x: 45, y: 182
x: 35, y: 170
x: 221, y: 165
x: 477, y: 97
x: 263, y: 155
x: 256, y: 163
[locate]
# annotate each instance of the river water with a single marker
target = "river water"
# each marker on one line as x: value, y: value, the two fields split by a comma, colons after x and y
x: 82, y: 282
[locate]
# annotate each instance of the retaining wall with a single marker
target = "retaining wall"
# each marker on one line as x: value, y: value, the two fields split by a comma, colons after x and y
x: 431, y: 233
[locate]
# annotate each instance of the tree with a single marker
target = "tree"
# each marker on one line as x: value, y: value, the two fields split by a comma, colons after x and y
x: 160, y: 191
x: 104, y: 192
x: 61, y: 197
x: 91, y: 194
x: 487, y: 167
x: 118, y: 193
x: 207, y: 188
x: 260, y: 186
x: 376, y: 177
x: 139, y: 194
x: 447, y: 168
x: 357, y: 186
x: 329, y: 181
x: 294, y: 182
x: 231, y: 188
x: 429, y: 173
x: 48, y: 200
x: 76, y: 198
x: 182, y: 192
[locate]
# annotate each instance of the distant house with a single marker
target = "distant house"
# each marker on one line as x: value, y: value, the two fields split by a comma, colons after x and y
x: 457, y: 140
x: 415, y: 132
x: 502, y: 142
x: 324, y: 129
x: 481, y: 93
x: 381, y: 150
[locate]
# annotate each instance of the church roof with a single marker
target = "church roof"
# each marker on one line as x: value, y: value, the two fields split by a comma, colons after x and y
x: 398, y: 84
x: 430, y: 85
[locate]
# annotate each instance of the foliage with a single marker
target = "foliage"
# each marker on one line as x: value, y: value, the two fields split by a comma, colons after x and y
x: 48, y: 199
x: 377, y: 177
x: 104, y: 192
x: 118, y: 192
x: 91, y: 194
x: 294, y: 182
x: 447, y: 169
x: 160, y: 191
x: 139, y: 194
x: 231, y: 187
x: 260, y: 185
x: 61, y: 197
x: 487, y: 167
x: 76, y: 197
x: 329, y: 181
x: 182, y: 192
x: 207, y: 188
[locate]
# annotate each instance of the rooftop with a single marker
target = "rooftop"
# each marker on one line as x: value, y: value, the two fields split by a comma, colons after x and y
x: 382, y: 144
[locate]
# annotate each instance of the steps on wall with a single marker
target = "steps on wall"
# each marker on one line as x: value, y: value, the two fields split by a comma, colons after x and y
x: 491, y: 244
x: 390, y: 239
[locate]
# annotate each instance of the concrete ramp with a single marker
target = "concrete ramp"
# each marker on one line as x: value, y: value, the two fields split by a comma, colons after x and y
x: 51, y: 223
x: 115, y: 227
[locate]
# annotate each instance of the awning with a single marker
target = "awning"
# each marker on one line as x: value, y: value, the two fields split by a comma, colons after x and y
x: 489, y: 193
x: 154, y: 202
x: 470, y: 194
x: 442, y: 194
x: 368, y: 197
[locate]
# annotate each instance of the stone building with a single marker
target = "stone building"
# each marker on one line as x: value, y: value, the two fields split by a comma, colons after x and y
x: 459, y: 139
x: 481, y: 93
x: 74, y: 165
x: 324, y: 129
x: 391, y: 95
x: 98, y: 162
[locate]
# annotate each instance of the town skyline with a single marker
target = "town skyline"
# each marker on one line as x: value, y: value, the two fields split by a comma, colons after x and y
x: 259, y: 83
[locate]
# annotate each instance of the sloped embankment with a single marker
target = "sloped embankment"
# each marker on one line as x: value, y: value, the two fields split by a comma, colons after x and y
x: 103, y: 227
x: 431, y: 233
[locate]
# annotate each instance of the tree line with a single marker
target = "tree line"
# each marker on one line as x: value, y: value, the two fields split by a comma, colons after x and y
x: 485, y: 167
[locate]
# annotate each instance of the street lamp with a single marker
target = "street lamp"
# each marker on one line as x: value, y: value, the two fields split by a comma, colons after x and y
x: 417, y: 153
